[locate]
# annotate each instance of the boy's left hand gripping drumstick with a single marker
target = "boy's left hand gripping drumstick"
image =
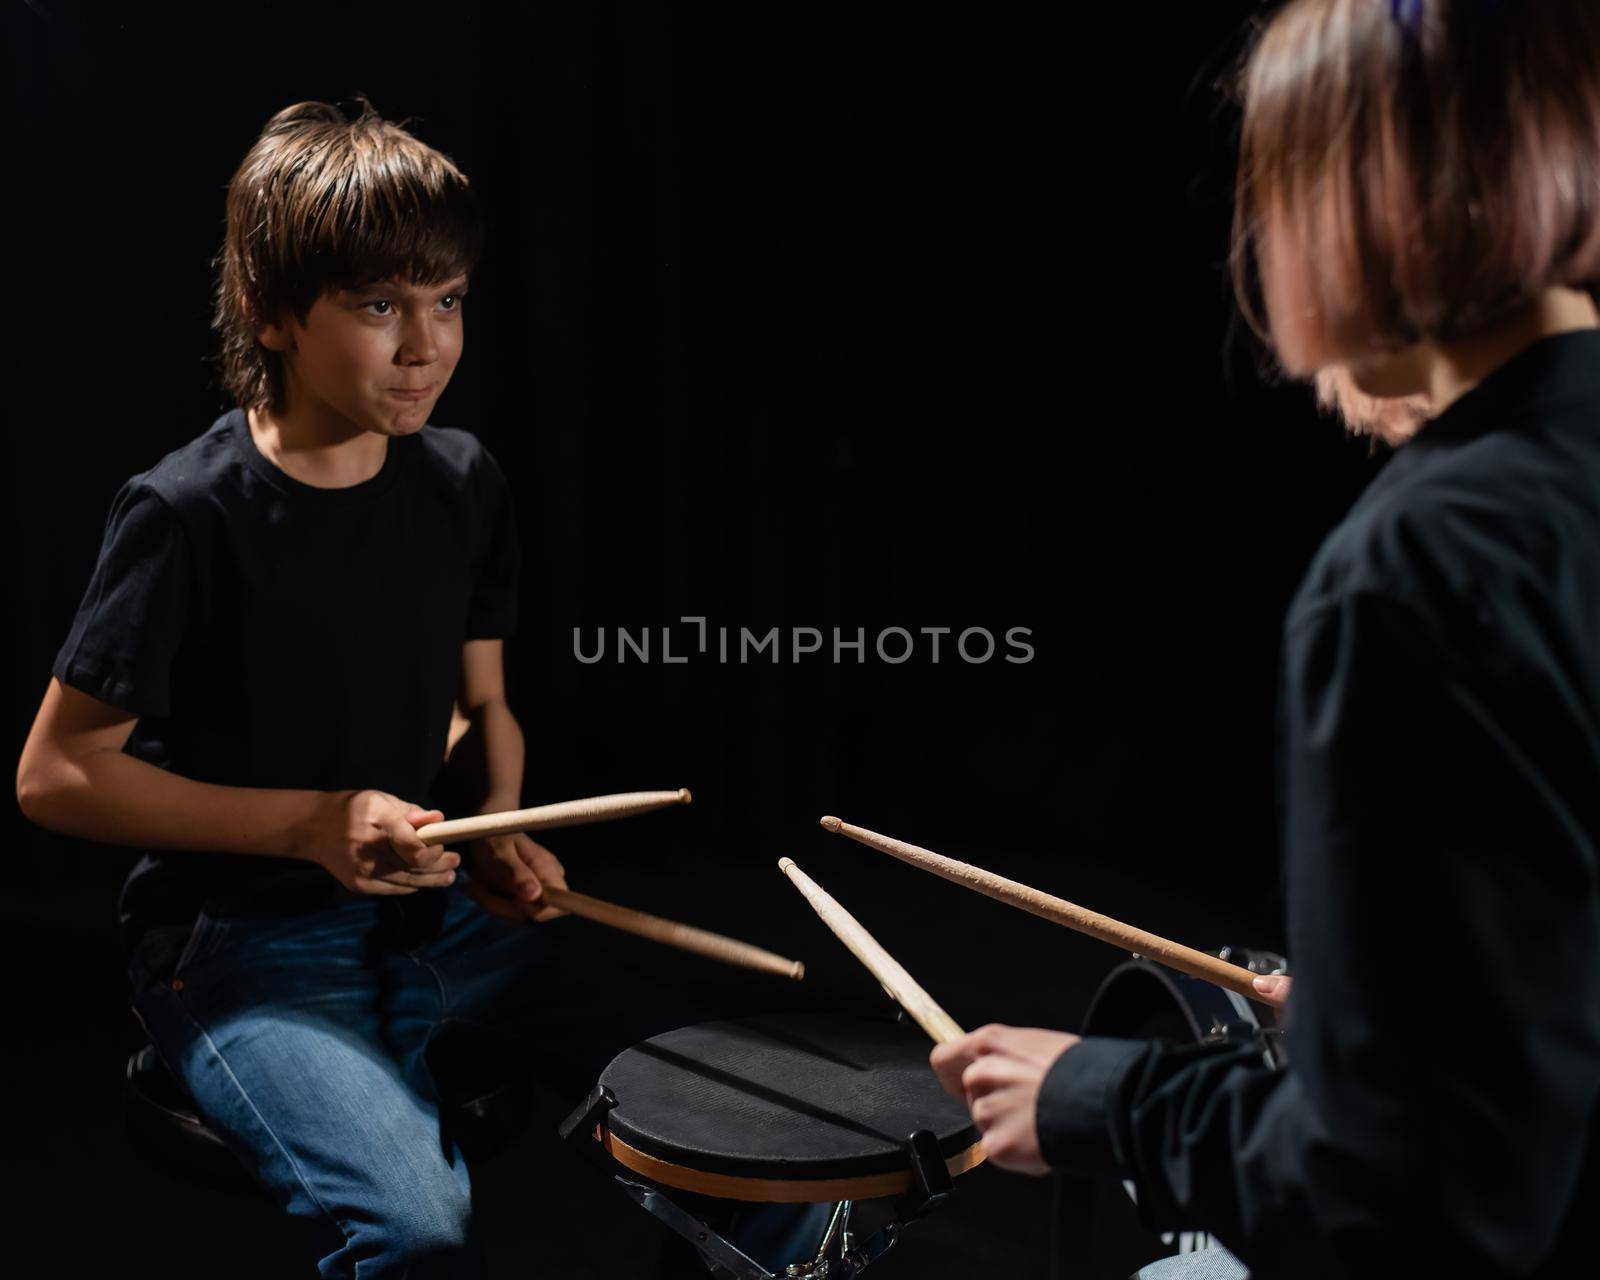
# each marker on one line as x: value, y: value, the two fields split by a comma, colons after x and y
x: 884, y: 967
x: 544, y: 817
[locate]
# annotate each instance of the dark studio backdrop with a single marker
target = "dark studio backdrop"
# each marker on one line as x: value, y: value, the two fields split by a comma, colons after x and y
x: 792, y: 317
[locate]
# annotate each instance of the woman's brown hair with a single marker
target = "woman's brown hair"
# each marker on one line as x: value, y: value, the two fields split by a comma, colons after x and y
x: 1413, y: 169
x: 322, y: 202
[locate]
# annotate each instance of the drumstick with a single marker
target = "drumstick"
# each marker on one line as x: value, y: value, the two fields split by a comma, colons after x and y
x: 684, y: 937
x: 568, y: 813
x: 883, y: 966
x: 1173, y: 954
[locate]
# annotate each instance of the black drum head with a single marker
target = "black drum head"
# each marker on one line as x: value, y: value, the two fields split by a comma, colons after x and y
x: 788, y: 1096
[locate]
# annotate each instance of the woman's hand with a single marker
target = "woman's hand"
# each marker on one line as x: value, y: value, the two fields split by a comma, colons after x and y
x: 998, y: 1071
x: 508, y: 875
x: 1274, y: 989
x: 367, y: 841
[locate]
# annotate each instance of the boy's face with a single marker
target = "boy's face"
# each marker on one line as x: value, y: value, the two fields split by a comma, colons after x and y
x: 377, y: 357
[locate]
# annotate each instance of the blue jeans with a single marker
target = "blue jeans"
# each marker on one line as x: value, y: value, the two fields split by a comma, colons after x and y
x: 300, y: 1035
x: 1213, y: 1263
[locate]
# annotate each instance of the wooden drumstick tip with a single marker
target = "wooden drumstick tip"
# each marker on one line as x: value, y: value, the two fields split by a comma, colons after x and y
x: 683, y: 796
x: 830, y: 823
x: 799, y: 970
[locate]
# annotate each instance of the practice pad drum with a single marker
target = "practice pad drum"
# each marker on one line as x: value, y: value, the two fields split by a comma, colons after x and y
x: 787, y: 1108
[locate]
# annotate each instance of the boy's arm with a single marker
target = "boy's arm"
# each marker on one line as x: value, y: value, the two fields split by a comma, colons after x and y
x: 492, y: 741
x: 74, y: 777
x: 509, y: 872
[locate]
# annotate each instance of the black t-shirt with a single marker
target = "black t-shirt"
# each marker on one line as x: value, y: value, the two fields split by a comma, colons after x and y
x: 1441, y: 776
x: 268, y: 633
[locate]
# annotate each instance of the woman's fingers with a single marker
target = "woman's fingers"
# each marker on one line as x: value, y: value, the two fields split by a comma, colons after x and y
x: 951, y: 1059
x: 1273, y: 988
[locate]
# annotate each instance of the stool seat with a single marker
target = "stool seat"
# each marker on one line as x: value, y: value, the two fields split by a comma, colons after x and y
x: 484, y: 1104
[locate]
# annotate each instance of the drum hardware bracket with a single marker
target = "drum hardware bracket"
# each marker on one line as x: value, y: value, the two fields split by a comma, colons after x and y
x: 1254, y: 959
x: 930, y: 1177
x: 856, y: 1257
x: 817, y: 1268
x: 931, y: 1186
x: 725, y: 1261
x: 589, y: 1113
x: 1270, y: 1040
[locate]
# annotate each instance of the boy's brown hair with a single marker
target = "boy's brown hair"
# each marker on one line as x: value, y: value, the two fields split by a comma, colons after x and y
x: 322, y: 202
x: 1415, y: 169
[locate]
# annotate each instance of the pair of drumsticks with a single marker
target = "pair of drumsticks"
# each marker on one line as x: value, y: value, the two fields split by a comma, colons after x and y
x: 889, y: 972
x: 922, y: 1007
x: 572, y: 813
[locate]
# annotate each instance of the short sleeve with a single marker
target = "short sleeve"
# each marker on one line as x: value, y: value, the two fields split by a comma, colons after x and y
x: 492, y: 612
x: 122, y: 643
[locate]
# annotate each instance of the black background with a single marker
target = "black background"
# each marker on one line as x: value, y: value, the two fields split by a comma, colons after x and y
x: 791, y: 317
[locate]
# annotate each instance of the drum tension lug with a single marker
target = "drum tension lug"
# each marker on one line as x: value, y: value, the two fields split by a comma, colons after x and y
x: 590, y: 1113
x: 930, y: 1177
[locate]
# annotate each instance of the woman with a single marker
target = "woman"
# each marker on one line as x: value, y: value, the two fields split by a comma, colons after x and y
x: 1417, y: 231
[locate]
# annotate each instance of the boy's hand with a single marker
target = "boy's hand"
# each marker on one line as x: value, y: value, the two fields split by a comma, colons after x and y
x: 998, y: 1071
x: 509, y: 874
x: 367, y: 841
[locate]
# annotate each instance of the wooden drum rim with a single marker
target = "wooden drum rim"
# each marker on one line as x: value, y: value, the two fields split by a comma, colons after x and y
x: 725, y: 1186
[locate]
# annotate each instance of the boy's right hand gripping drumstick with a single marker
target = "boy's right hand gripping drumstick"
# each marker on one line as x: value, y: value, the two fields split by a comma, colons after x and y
x: 1174, y: 954
x: 885, y: 968
x: 544, y: 817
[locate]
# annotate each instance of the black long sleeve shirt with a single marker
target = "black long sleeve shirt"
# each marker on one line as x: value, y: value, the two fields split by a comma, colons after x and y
x: 1440, y: 753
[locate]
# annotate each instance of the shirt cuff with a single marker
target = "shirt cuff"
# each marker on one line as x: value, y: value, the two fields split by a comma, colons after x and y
x: 1076, y: 1101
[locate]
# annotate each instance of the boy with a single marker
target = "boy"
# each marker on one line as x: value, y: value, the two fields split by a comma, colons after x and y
x: 259, y: 688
